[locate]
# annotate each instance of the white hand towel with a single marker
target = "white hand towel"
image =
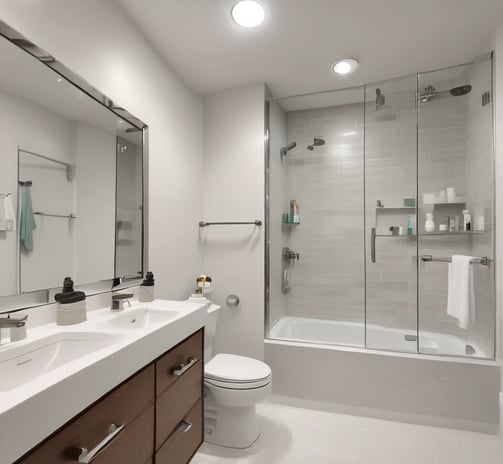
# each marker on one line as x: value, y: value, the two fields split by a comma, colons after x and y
x: 461, y: 295
x: 10, y: 216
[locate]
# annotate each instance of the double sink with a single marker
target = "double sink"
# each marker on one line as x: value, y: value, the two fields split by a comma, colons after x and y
x: 24, y: 363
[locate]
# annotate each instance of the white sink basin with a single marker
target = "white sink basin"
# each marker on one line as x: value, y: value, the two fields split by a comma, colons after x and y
x: 141, y: 318
x: 21, y: 364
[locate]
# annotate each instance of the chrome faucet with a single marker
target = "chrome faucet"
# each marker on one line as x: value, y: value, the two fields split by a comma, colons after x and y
x: 13, y: 323
x: 119, y: 299
x: 10, y: 322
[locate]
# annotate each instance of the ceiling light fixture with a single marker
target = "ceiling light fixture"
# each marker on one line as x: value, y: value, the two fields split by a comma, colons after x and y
x: 248, y: 13
x: 345, y: 66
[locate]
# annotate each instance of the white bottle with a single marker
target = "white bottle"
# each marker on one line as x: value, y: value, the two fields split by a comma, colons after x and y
x: 429, y: 225
x: 467, y: 220
x: 146, y: 292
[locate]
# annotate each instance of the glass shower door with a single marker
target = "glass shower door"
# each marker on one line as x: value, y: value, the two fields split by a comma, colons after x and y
x: 390, y: 214
x: 316, y: 269
x: 455, y: 165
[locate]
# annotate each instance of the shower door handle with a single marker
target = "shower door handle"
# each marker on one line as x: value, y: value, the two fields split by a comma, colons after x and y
x: 373, y: 244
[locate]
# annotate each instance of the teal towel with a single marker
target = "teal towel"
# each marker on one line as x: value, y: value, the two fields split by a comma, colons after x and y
x: 27, y: 223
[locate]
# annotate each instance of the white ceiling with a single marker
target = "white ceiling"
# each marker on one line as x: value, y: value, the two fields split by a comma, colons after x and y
x: 293, y: 49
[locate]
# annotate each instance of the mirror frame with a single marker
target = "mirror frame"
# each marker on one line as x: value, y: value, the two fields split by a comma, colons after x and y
x: 21, y: 301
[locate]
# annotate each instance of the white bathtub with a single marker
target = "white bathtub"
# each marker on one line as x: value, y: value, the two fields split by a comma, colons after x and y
x: 324, y: 331
x: 324, y: 364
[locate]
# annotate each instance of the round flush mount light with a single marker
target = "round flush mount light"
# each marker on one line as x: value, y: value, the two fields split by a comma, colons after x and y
x: 345, y: 66
x: 248, y: 13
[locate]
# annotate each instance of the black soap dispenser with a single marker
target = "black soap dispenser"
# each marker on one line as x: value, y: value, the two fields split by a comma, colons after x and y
x: 71, y: 305
x: 147, y: 292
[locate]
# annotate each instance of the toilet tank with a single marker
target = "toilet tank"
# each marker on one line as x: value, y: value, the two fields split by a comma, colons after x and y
x: 210, y: 330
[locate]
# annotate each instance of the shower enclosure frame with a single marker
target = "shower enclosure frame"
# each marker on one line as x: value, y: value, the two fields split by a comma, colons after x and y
x: 267, y: 209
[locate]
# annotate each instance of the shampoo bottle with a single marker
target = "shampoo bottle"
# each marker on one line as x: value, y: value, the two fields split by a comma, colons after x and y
x: 147, y: 293
x: 410, y: 226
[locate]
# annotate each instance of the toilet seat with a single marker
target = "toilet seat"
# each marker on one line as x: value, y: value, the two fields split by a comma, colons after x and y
x: 236, y: 372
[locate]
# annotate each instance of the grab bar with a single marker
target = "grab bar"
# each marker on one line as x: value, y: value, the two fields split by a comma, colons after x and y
x: 484, y: 260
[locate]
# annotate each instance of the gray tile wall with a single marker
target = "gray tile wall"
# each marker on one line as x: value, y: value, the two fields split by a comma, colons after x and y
x: 328, y: 281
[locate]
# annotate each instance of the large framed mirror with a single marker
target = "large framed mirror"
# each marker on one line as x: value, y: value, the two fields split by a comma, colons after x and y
x: 72, y: 181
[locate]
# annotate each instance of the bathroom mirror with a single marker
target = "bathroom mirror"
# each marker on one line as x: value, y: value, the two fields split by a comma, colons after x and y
x: 71, y: 181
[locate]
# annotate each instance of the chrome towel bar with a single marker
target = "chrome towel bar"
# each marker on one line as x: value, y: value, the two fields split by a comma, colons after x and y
x: 484, y: 260
x: 257, y: 222
x: 68, y: 216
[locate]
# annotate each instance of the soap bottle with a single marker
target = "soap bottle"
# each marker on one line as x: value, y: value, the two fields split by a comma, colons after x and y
x: 467, y: 220
x: 294, y: 212
x: 71, y: 305
x: 429, y: 225
x: 410, y: 226
x: 147, y: 293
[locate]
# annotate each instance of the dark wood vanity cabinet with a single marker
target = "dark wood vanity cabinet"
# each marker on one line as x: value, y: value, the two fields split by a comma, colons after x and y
x: 179, y: 399
x: 155, y: 417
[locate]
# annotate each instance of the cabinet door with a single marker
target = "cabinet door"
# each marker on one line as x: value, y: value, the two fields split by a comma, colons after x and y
x: 129, y: 409
x: 185, y: 439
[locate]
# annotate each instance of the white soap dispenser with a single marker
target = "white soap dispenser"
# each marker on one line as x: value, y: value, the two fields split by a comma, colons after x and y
x: 146, y: 292
x: 429, y: 225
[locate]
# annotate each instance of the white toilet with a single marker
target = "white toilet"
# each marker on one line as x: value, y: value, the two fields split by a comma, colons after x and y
x: 233, y: 386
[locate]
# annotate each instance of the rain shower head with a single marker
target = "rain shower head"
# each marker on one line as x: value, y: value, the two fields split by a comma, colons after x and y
x: 285, y: 150
x: 318, y: 142
x: 461, y: 90
x: 430, y: 92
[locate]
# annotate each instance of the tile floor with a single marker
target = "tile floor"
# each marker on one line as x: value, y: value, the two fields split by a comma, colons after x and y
x: 304, y: 436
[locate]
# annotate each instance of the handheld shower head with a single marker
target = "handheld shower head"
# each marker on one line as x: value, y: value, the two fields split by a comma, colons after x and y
x: 285, y: 150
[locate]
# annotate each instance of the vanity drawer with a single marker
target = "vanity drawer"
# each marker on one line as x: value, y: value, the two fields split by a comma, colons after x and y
x: 179, y: 361
x: 184, y: 441
x: 174, y: 403
x: 131, y: 405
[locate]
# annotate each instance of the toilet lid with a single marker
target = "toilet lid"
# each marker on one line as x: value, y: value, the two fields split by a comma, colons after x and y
x: 236, y: 369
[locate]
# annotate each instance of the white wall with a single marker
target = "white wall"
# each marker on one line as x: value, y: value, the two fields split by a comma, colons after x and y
x: 99, y: 42
x: 38, y: 130
x: 234, y: 191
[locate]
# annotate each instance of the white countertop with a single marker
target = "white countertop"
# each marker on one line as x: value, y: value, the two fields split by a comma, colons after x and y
x: 35, y: 409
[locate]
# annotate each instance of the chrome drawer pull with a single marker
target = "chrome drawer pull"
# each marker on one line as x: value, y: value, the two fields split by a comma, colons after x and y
x: 184, y: 367
x: 185, y: 426
x: 86, y: 457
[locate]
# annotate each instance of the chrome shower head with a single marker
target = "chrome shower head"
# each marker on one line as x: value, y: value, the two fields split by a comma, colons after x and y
x: 285, y: 150
x: 318, y: 142
x: 430, y: 93
x: 461, y: 90
x: 381, y: 101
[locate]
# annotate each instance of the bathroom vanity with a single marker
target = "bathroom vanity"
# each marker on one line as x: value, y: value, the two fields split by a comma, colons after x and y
x: 155, y: 414
x: 137, y: 400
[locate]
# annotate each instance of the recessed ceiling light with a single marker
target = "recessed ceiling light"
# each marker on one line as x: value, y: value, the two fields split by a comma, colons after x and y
x: 345, y: 66
x: 248, y: 13
x: 59, y: 79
